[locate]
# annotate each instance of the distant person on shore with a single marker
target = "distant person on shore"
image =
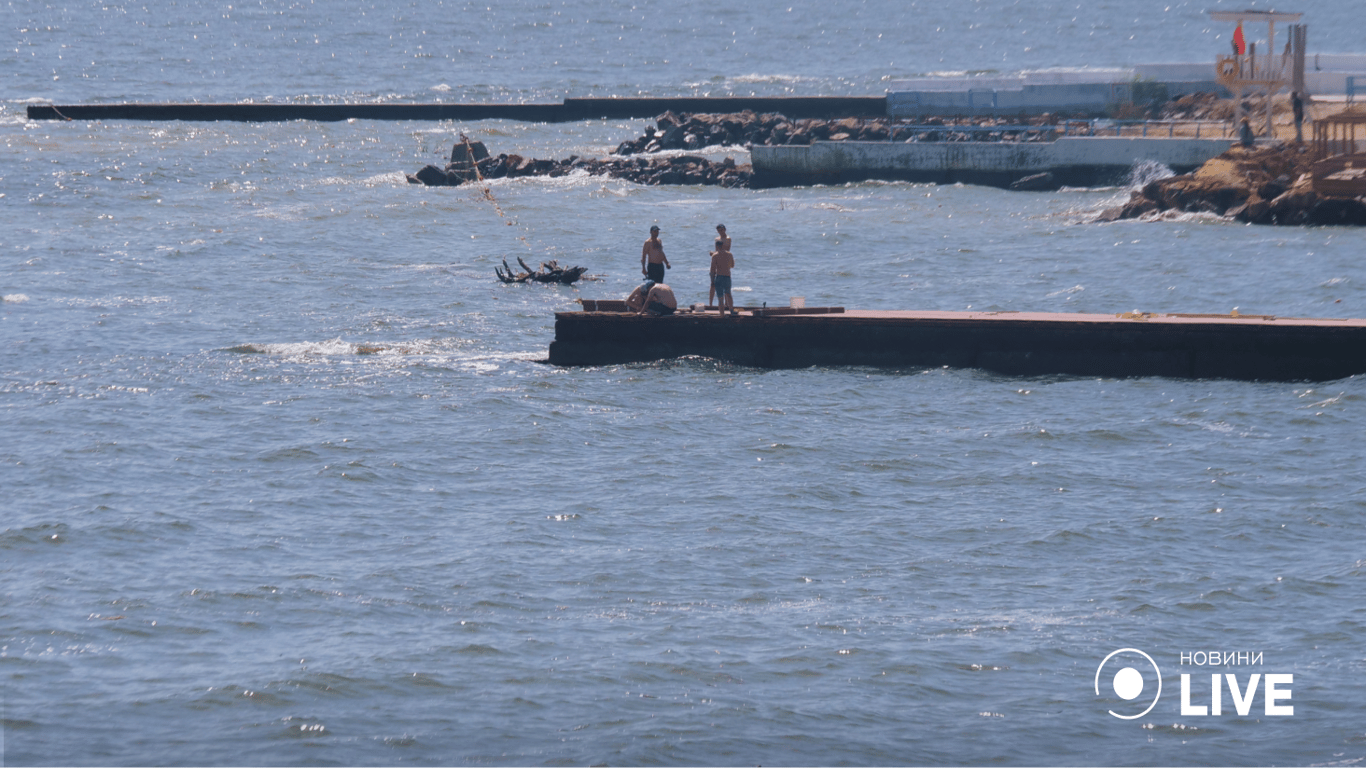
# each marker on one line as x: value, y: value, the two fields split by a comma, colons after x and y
x: 653, y: 262
x: 720, y: 236
x: 660, y: 300
x: 722, y: 262
x: 1297, y: 105
x: 1245, y: 135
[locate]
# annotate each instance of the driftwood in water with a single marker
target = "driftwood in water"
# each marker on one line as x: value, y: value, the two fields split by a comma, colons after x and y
x: 550, y: 272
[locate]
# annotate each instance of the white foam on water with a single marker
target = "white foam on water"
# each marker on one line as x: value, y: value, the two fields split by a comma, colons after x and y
x: 1066, y: 291
x: 1145, y: 171
x: 118, y: 301
x: 769, y: 79
x: 14, y: 298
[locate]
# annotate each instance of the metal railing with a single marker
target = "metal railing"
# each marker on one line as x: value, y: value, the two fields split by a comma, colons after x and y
x: 1144, y: 128
x: 1193, y: 129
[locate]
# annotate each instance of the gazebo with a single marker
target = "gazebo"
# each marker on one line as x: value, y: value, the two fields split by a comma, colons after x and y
x: 1244, y: 71
x: 1340, y: 171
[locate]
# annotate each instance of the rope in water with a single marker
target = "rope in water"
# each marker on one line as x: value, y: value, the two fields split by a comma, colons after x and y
x: 488, y: 191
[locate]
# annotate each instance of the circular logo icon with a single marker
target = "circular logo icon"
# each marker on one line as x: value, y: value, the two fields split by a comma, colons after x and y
x: 1132, y: 676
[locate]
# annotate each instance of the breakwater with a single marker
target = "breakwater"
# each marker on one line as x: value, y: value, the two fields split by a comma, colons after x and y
x: 1268, y: 184
x: 566, y: 111
x: 1014, y: 343
x: 471, y: 161
x: 1068, y: 161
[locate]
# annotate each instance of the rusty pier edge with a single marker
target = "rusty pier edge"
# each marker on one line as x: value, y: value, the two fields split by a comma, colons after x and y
x: 1023, y: 344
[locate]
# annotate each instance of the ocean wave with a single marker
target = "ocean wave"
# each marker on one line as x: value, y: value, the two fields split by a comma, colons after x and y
x: 775, y: 78
x: 332, y: 347
x: 118, y: 301
x: 1144, y: 172
x: 14, y: 298
x: 1065, y: 291
x: 449, y: 351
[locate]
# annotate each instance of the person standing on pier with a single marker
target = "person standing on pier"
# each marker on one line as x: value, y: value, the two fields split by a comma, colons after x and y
x: 653, y: 262
x: 721, y: 236
x: 722, y: 262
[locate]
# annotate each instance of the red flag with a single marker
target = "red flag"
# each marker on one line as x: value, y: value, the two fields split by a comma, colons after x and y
x: 1239, y: 43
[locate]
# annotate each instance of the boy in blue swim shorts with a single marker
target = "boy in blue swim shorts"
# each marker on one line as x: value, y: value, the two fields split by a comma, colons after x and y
x: 722, y: 262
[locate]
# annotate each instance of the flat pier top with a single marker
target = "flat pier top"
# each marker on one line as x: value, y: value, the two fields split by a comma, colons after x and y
x: 1175, y: 318
x: 839, y: 314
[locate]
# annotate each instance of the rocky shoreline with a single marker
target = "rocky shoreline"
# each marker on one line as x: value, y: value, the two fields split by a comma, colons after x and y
x: 693, y: 132
x: 1266, y: 184
x: 1270, y: 184
x: 472, y: 161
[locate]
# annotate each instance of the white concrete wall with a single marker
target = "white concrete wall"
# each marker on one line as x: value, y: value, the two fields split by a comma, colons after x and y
x: 834, y: 157
x: 1334, y: 83
x: 1089, y: 89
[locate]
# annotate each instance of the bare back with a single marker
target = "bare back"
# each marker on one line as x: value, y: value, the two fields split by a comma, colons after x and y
x: 722, y: 262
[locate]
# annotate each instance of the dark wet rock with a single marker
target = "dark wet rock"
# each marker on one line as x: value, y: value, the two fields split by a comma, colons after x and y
x: 464, y: 154
x: 694, y: 131
x: 1258, y: 185
x: 431, y: 176
x: 681, y: 169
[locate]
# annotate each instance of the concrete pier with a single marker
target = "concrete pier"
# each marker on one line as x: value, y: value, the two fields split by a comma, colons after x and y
x: 1073, y: 161
x: 567, y: 111
x: 1249, y: 347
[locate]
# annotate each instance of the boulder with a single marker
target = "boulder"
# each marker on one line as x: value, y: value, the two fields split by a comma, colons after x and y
x: 461, y: 154
x: 432, y: 176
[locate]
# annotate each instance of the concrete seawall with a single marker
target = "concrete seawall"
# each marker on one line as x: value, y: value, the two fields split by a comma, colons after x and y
x: 568, y: 110
x: 1075, y: 161
x: 1027, y: 344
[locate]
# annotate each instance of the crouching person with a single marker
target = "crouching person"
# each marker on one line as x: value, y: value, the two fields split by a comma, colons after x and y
x: 636, y: 301
x: 660, y: 300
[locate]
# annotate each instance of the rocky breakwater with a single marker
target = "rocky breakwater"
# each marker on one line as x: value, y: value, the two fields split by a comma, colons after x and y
x: 471, y: 161
x: 691, y: 132
x: 1271, y: 184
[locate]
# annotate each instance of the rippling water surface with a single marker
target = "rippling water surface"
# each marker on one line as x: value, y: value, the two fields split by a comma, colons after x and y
x: 287, y: 480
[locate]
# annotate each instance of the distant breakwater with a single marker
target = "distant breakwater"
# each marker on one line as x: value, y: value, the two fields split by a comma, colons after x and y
x: 697, y: 131
x: 694, y: 131
x: 471, y: 161
x: 568, y: 110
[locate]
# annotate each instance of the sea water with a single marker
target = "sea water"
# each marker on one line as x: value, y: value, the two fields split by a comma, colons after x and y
x: 287, y: 480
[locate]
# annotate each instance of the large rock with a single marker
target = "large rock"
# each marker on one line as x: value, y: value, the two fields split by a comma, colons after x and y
x: 1251, y: 185
x: 431, y: 176
x: 462, y: 155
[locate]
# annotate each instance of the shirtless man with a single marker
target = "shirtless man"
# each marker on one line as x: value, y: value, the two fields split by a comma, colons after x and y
x: 653, y: 262
x: 722, y: 262
x: 660, y: 300
x: 636, y: 301
x: 720, y: 237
